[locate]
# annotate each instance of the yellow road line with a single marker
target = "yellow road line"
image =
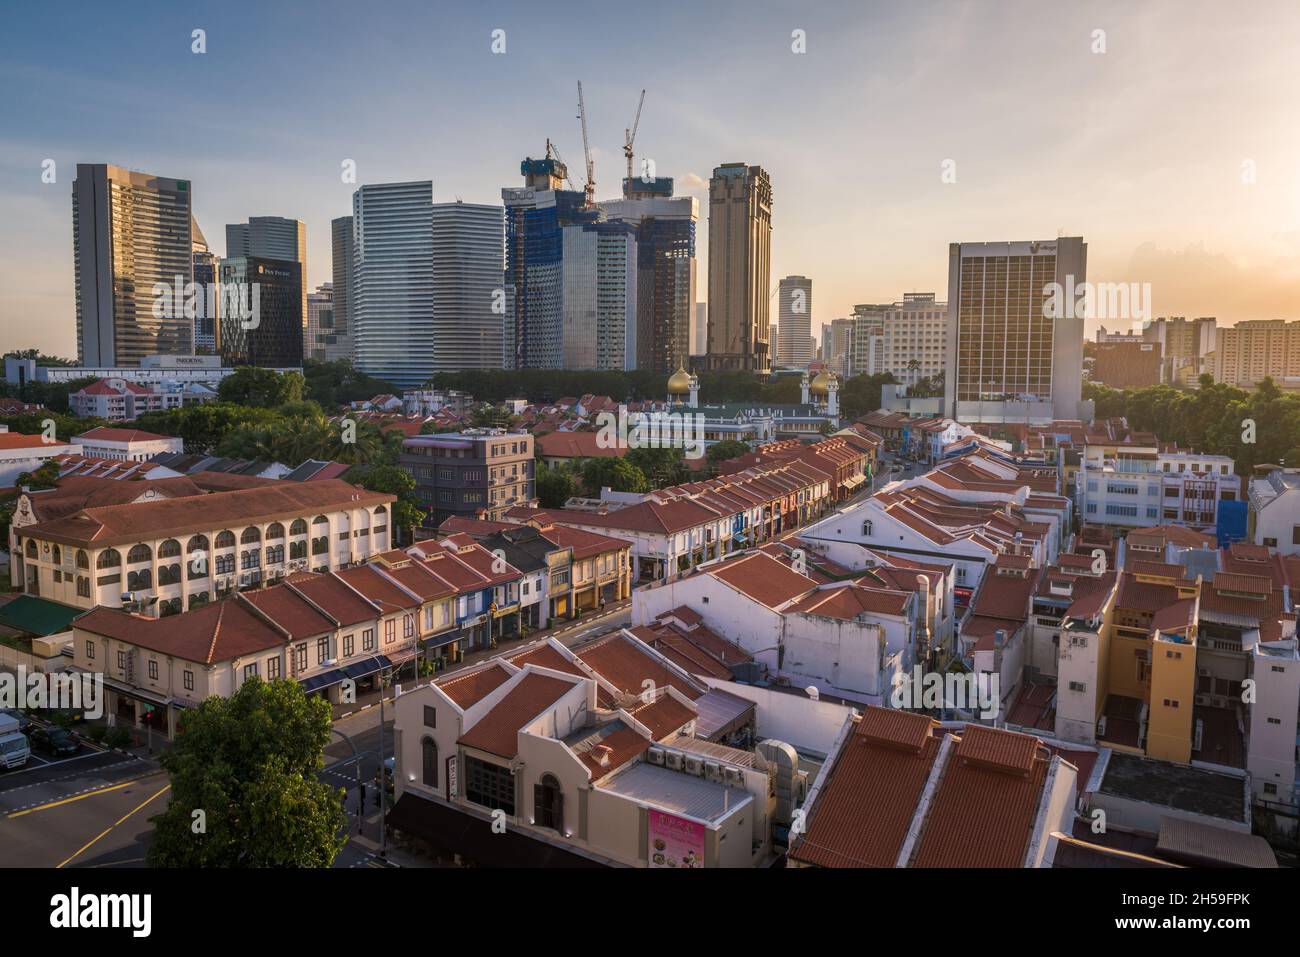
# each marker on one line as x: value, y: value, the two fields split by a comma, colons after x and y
x: 80, y: 797
x: 93, y: 841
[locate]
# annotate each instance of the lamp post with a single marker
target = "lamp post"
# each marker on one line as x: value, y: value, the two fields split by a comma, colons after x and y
x: 384, y: 677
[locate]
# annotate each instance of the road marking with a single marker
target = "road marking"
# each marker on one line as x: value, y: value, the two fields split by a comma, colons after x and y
x: 68, y: 777
x: 78, y: 797
x: 161, y: 790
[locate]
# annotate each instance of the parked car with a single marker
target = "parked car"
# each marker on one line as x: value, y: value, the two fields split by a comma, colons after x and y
x: 55, y: 741
x: 14, y: 748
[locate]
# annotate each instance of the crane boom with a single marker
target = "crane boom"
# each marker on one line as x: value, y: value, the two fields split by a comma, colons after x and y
x: 590, y: 188
x: 629, y: 136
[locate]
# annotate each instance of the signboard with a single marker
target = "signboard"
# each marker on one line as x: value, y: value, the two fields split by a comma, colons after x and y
x: 451, y: 777
x: 673, y: 841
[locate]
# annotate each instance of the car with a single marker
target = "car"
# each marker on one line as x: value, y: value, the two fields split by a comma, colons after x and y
x: 55, y: 741
x: 24, y: 722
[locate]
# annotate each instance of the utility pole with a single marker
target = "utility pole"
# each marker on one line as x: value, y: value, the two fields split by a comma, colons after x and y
x: 383, y: 771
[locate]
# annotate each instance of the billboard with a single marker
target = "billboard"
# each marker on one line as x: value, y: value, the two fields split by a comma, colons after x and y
x: 674, y: 841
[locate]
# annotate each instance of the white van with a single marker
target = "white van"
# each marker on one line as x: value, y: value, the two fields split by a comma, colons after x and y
x: 14, y: 749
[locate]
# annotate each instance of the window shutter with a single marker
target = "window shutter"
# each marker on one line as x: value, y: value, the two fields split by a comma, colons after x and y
x: 539, y: 805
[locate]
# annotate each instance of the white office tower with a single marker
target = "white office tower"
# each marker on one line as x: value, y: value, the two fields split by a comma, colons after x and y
x: 1014, y: 349
x: 469, y: 307
x: 600, y: 296
x: 794, y: 322
x: 338, y: 345
x: 915, y: 333
x: 391, y: 300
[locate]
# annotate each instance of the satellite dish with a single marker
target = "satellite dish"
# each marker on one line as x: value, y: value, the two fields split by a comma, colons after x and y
x: 813, y: 692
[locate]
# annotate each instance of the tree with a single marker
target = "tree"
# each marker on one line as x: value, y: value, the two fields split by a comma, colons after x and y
x: 726, y: 449
x: 263, y: 388
x: 661, y: 467
x: 392, y: 480
x: 249, y: 764
x: 617, y: 474
x: 337, y: 383
x: 555, y: 486
x: 45, y: 476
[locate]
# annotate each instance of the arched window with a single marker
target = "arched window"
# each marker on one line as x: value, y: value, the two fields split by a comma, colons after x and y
x: 297, y: 550
x: 380, y: 511
x: 139, y: 581
x: 429, y: 759
x: 299, y: 527
x: 226, y: 539
x: 108, y: 558
x: 34, y: 552
x: 83, y: 560
x: 275, y: 530
x: 139, y: 553
x: 274, y: 554
x: 58, y: 555
x: 169, y: 549
x: 548, y: 803
x: 169, y: 575
x: 250, y: 536
x: 197, y: 544
x: 320, y: 520
x: 199, y: 600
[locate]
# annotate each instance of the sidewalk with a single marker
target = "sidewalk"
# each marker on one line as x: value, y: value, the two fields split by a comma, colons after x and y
x: 370, y: 699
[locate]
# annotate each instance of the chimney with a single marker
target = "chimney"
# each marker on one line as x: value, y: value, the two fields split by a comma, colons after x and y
x: 999, y: 638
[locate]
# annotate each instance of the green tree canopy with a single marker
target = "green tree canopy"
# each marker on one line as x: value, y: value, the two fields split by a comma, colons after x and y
x: 555, y: 486
x: 249, y: 764
x: 263, y: 388
x: 620, y: 475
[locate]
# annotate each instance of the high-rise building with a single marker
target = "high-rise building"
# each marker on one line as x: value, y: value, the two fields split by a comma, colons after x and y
x: 794, y: 322
x: 268, y: 330
x: 700, y: 330
x: 740, y: 268
x: 914, y: 335
x: 271, y: 237
x: 1014, y: 346
x: 207, y: 306
x: 339, y: 343
x: 320, y: 322
x: 837, y: 343
x: 468, y: 296
x: 866, y: 355
x: 131, y: 238
x: 665, y: 269
x: 600, y: 296
x: 390, y: 301
x: 1247, y: 352
x: 1185, y: 344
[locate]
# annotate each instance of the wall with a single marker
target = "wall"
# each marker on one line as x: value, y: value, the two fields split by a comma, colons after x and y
x: 791, y: 716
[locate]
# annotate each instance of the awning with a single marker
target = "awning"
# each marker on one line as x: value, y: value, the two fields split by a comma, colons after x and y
x: 853, y: 481
x: 360, y: 669
x: 457, y: 832
x: 324, y: 680
x: 721, y: 713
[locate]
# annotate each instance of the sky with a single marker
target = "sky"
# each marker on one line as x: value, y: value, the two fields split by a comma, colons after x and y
x: 1175, y: 153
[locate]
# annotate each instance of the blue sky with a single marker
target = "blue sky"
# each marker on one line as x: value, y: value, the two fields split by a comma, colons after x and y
x: 1139, y: 149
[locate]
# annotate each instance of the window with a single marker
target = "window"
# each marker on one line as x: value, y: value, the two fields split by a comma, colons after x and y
x: 1295, y: 534
x: 121, y: 661
x: 429, y: 761
x: 489, y: 785
x: 250, y: 670
x: 225, y: 564
x: 300, y: 657
x: 299, y: 527
x: 189, y: 680
x: 275, y: 530
x: 250, y: 536
x: 1078, y: 686
x: 169, y: 549
x: 272, y: 668
x: 408, y: 626
x: 866, y: 529
x: 139, y: 553
x: 90, y: 650
x: 368, y: 640
x: 226, y: 539
x: 83, y: 560
x: 250, y: 559
x: 197, y: 544
x: 108, y: 558
x: 430, y: 716
x: 322, y: 650
x: 390, y: 631
x: 1171, y: 703
x: 348, y: 644
x: 153, y: 670
x: 83, y: 586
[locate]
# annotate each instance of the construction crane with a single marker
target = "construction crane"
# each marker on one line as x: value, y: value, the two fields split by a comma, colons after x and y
x: 590, y: 188
x: 552, y: 149
x: 629, y: 136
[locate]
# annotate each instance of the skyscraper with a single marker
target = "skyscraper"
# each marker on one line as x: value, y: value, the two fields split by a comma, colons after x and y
x: 391, y: 297
x: 131, y: 239
x: 665, y: 269
x: 208, y: 303
x: 794, y: 322
x: 468, y: 295
x: 272, y: 237
x: 272, y: 335
x: 740, y: 243
x: 1011, y: 357
x: 320, y: 322
x: 535, y: 216
x: 600, y: 296
x: 700, y: 331
x: 341, y: 247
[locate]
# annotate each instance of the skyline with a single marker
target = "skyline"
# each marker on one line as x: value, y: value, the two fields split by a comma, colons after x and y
x: 1142, y: 156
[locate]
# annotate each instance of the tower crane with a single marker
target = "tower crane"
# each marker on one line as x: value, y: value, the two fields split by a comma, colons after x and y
x: 590, y: 188
x: 629, y: 136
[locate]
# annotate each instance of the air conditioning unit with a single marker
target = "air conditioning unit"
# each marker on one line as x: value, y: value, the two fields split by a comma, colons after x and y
x: 673, y: 759
x: 713, y: 770
x: 733, y: 776
x: 1202, y: 671
x: 695, y: 766
x: 1101, y: 726
x: 655, y: 756
x: 1203, y: 700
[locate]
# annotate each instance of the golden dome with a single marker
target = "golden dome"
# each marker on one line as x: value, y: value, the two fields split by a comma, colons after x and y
x: 821, y: 384
x: 679, y: 383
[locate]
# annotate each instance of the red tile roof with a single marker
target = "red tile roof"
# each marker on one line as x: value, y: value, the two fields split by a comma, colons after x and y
x: 497, y: 732
x: 762, y: 578
x: 467, y: 688
x: 221, y: 631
